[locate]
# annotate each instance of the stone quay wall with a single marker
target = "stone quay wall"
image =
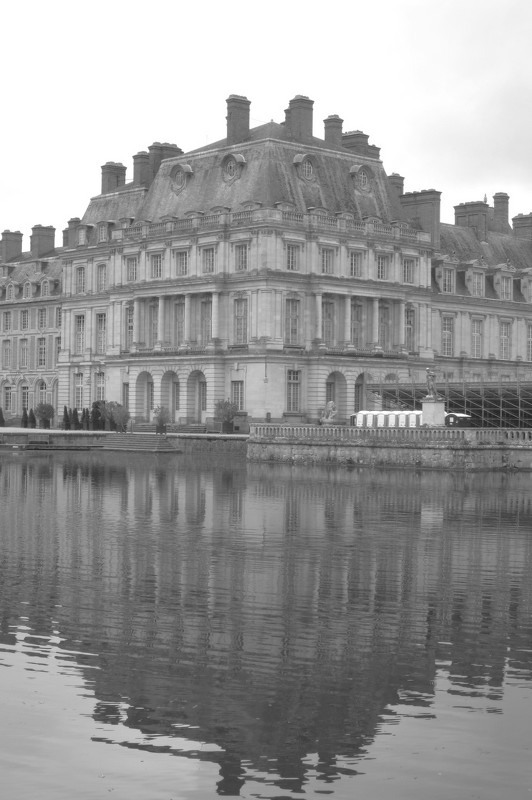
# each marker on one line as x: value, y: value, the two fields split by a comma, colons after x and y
x: 465, y: 449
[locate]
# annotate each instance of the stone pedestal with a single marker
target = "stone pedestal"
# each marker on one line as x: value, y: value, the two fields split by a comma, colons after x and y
x: 433, y: 412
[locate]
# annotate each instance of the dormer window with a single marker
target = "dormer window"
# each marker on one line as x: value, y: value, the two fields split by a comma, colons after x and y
x: 448, y: 280
x: 506, y: 290
x: 82, y: 236
x: 363, y: 179
x: 307, y: 170
x: 232, y: 166
x: 26, y: 291
x: 304, y: 166
x: 45, y: 289
x: 102, y: 232
x: 477, y: 284
x: 10, y: 293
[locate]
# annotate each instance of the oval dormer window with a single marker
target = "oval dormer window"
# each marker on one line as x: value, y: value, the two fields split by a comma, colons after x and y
x: 179, y: 178
x: 307, y: 169
x: 230, y: 168
x: 363, y: 179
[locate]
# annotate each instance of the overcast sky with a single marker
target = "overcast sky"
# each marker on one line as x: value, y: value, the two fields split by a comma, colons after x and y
x: 443, y: 88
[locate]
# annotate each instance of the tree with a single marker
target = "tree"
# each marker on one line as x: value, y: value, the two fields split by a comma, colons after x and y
x: 2, y: 420
x: 116, y: 414
x: 75, y: 420
x: 66, y: 419
x: 32, y: 422
x: 225, y: 411
x: 24, y: 419
x: 96, y: 416
x: 162, y: 417
x: 44, y: 412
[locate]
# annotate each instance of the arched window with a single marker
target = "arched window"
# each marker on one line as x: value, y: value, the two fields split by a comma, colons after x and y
x: 45, y: 289
x: 26, y: 292
x: 10, y: 294
x: 41, y: 391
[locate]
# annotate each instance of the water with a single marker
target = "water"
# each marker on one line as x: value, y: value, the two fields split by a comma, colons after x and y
x: 175, y: 628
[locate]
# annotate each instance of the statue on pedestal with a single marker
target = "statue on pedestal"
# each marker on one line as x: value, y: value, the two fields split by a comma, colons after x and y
x: 432, y: 393
x: 330, y: 412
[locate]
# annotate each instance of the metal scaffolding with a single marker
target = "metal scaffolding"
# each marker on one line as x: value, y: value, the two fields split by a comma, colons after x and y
x: 500, y: 404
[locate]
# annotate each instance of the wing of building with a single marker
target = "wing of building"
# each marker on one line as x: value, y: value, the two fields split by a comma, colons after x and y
x: 274, y: 268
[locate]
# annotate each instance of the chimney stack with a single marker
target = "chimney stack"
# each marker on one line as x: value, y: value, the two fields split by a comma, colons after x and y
x: 141, y: 168
x: 237, y: 118
x: 333, y: 130
x: 11, y: 245
x: 299, y: 118
x: 42, y: 240
x: 159, y: 152
x: 423, y: 209
x: 500, y: 212
x: 523, y: 226
x: 113, y: 176
x: 473, y: 215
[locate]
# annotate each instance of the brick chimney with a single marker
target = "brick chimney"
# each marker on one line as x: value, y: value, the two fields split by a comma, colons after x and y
x: 141, y: 168
x: 423, y: 209
x: 42, y: 240
x: 397, y: 184
x: 333, y: 130
x: 237, y: 118
x: 500, y: 212
x: 11, y: 245
x: 299, y: 118
x: 473, y: 215
x: 113, y: 176
x: 523, y: 226
x: 72, y: 229
x: 158, y: 152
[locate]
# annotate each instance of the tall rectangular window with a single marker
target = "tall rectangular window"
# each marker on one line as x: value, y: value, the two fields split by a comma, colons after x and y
x: 356, y: 323
x: 447, y: 336
x: 41, y: 352
x: 102, y: 277
x: 131, y: 268
x: 327, y: 312
x: 327, y: 260
x: 291, y: 326
x: 6, y: 354
x: 41, y: 318
x: 156, y: 266
x: 237, y: 394
x: 181, y: 262
x: 130, y: 312
x: 7, y: 320
x: 293, y: 390
x: 23, y: 354
x: 410, y: 330
x: 476, y: 338
x: 408, y: 270
x: 206, y: 321
x: 241, y: 321
x: 384, y: 327
x: 102, y: 232
x: 100, y: 386
x: 24, y: 320
x: 79, y: 341
x: 506, y: 288
x: 80, y: 280
x: 8, y: 398
x: 529, y: 342
x: 58, y: 317
x: 241, y: 257
x: 153, y: 324
x: 179, y: 323
x: 477, y: 284
x: 57, y: 348
x: 382, y: 268
x: 207, y: 259
x: 292, y: 257
x: 505, y: 342
x: 448, y: 280
x: 101, y: 334
x: 355, y: 264
x: 25, y: 397
x: 78, y: 390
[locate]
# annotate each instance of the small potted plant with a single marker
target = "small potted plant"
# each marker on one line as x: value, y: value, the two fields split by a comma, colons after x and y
x: 225, y: 411
x: 161, y: 417
x: 44, y: 412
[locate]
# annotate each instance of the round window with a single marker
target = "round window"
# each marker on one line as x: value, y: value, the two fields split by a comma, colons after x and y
x: 230, y: 168
x: 306, y: 169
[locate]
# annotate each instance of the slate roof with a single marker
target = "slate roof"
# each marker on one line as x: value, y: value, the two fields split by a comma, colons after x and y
x: 500, y: 248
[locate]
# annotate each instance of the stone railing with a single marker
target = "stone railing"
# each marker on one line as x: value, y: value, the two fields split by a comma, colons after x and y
x: 272, y: 216
x: 509, y: 437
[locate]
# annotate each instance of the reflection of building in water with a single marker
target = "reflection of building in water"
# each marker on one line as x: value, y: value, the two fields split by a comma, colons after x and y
x: 277, y: 610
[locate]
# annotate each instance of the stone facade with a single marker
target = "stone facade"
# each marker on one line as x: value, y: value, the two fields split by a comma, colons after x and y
x: 273, y: 267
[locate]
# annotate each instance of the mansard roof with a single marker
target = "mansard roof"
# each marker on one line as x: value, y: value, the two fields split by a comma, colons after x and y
x: 121, y: 204
x: 269, y: 174
x: 500, y: 248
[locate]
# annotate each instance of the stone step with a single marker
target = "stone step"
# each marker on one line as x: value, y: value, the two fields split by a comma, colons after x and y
x: 145, y: 442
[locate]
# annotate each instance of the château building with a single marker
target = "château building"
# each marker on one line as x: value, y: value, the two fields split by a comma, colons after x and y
x: 273, y: 267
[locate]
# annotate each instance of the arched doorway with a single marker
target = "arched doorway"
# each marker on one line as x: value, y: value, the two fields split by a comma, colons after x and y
x: 144, y: 396
x: 171, y: 394
x: 196, y: 397
x: 336, y: 391
x: 361, y: 391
